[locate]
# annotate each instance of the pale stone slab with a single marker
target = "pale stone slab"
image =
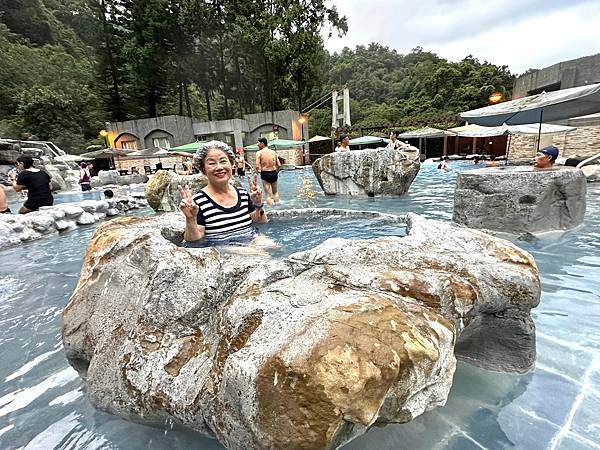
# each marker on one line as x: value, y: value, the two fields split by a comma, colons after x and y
x: 520, y: 199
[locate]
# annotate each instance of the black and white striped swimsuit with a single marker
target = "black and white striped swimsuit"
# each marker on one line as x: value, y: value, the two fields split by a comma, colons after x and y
x: 225, y: 223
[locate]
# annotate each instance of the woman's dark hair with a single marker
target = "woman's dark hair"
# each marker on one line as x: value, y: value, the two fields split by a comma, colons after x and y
x: 262, y: 140
x: 396, y: 133
x: 26, y: 160
x: 109, y: 194
x: 342, y: 137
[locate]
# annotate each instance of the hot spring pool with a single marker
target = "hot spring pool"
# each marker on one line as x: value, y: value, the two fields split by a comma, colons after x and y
x: 556, y: 406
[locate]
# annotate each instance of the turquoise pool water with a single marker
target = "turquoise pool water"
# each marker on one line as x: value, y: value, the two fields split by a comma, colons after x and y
x: 556, y: 406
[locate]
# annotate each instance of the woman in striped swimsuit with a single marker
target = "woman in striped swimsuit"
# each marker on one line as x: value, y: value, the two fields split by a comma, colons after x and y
x: 220, y: 211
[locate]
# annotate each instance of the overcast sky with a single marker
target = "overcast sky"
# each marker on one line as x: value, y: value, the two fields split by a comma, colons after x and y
x: 521, y: 34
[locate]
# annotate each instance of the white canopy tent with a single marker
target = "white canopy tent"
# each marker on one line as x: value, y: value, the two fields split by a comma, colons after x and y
x: 422, y: 134
x: 503, y: 130
x: 544, y: 107
x: 426, y: 132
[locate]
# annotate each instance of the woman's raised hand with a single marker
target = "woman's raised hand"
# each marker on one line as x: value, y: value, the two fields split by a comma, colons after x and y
x: 255, y: 192
x: 188, y: 207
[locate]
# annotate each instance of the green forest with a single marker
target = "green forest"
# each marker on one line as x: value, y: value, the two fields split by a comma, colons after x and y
x: 69, y: 66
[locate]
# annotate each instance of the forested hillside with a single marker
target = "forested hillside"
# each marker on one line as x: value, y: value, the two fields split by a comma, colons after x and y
x: 410, y: 90
x: 67, y: 66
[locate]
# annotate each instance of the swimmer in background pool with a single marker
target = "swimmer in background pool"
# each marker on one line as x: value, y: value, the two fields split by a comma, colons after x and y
x: 220, y: 211
x: 268, y: 164
x: 240, y: 163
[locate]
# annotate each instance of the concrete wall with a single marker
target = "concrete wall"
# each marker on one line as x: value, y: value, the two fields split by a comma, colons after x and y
x: 567, y: 74
x: 292, y: 156
x: 183, y: 130
x: 219, y: 126
x: 179, y: 127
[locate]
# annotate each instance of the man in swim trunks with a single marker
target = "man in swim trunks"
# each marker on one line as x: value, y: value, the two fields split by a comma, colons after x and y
x: 267, y: 164
x: 240, y: 163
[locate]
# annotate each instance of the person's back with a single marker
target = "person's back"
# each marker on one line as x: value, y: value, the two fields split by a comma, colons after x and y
x: 267, y: 160
x: 3, y: 202
x: 37, y: 183
x: 267, y: 164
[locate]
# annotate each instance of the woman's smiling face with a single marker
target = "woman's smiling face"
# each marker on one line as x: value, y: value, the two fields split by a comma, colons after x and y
x: 217, y: 166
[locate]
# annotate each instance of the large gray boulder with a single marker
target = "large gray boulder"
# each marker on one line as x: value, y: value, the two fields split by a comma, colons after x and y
x: 592, y: 172
x: 9, y: 152
x: 162, y: 191
x: 57, y: 177
x: 302, y: 352
x: 49, y: 220
x: 520, y: 199
x: 369, y: 172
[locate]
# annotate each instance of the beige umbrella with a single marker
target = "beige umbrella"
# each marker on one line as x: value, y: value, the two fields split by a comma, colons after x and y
x: 71, y: 158
x: 318, y: 139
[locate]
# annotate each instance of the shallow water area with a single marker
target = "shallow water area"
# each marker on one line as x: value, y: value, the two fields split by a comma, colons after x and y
x: 283, y: 236
x: 556, y: 406
x: 292, y: 235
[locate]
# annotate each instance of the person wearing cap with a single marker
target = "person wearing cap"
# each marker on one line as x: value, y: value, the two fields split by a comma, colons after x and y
x: 545, y: 158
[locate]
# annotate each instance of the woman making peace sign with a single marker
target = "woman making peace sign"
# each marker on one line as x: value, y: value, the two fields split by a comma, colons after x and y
x: 220, y: 211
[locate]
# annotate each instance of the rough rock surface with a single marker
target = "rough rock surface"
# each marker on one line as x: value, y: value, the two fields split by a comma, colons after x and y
x: 162, y: 193
x: 112, y: 177
x: 63, y: 178
x: 368, y: 172
x: 17, y: 228
x: 302, y: 352
x: 9, y: 152
x: 592, y: 172
x: 521, y: 199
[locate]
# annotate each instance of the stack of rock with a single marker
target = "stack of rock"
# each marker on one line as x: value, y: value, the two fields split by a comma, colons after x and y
x: 370, y: 172
x: 162, y: 190
x: 112, y: 177
x: 63, y: 176
x: 304, y: 352
x: 50, y: 220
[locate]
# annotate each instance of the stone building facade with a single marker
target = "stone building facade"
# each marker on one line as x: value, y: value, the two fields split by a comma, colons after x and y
x: 172, y: 131
x: 585, y: 141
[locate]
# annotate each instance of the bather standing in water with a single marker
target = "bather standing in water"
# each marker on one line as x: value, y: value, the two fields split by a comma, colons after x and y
x: 268, y: 164
x: 220, y: 211
x: 36, y: 181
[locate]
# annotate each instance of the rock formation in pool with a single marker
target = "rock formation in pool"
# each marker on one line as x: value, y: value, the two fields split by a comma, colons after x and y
x: 161, y: 191
x: 519, y: 200
x: 308, y: 351
x: 367, y: 172
x: 64, y: 176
